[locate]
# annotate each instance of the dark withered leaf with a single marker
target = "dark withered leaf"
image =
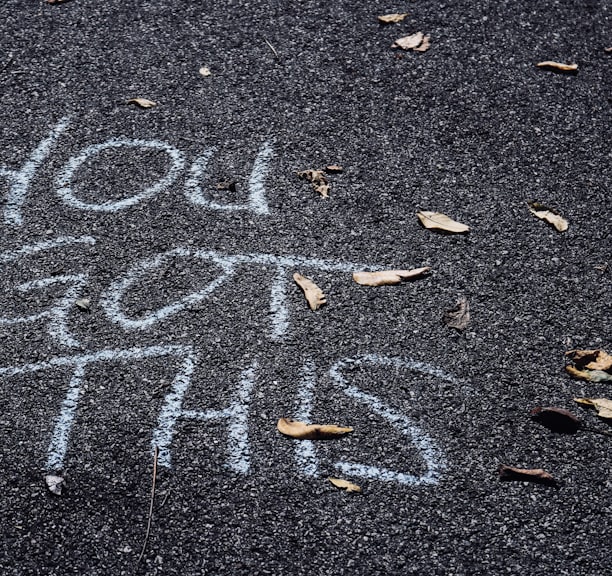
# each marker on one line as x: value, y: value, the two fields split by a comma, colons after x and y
x: 556, y: 419
x: 459, y: 316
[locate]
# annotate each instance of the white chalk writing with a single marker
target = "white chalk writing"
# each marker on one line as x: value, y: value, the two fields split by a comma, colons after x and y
x: 279, y: 311
x: 20, y: 180
x: 236, y: 415
x: 257, y: 196
x: 61, y: 434
x: 57, y: 315
x: 420, y: 440
x: 66, y: 175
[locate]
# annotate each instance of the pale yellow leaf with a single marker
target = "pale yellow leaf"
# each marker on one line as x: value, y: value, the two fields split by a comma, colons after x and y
x: 589, y: 375
x: 602, y: 405
x: 543, y: 213
x: 205, y: 71
x: 438, y: 221
x: 591, y: 359
x: 303, y: 431
x: 54, y: 484
x: 409, y: 42
x: 386, y: 277
x: 83, y: 304
x: 345, y: 485
x: 558, y: 66
x: 142, y: 102
x: 314, y: 295
x: 392, y: 18
x: 425, y: 45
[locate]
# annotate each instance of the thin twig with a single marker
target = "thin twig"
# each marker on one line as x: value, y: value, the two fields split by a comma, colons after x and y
x: 272, y: 48
x: 146, y: 540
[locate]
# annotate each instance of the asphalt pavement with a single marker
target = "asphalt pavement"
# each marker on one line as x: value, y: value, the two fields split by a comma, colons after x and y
x: 151, y: 330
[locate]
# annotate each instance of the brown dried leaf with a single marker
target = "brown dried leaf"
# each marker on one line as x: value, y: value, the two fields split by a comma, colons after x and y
x: 543, y: 213
x: 392, y: 18
x: 556, y: 419
x: 602, y: 405
x: 142, y: 102
x: 345, y: 485
x: 227, y: 185
x: 314, y: 294
x: 386, y: 277
x: 591, y: 359
x: 318, y: 181
x: 439, y: 221
x: 303, y: 431
x: 558, y: 66
x: 333, y: 169
x: 525, y: 474
x: 425, y: 45
x: 409, y: 42
x: 54, y: 484
x: 459, y: 316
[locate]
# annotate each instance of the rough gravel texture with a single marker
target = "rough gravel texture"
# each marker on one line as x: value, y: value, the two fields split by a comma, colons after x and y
x: 471, y: 128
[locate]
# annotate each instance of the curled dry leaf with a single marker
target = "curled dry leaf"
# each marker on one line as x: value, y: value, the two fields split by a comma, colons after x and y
x: 345, y: 485
x: 318, y: 181
x: 417, y: 41
x: 142, y: 102
x: 543, y: 213
x: 558, y: 66
x: 590, y: 365
x: 425, y: 45
x: 205, y: 71
x: 556, y: 419
x: 83, y: 304
x: 591, y: 359
x: 602, y: 405
x: 589, y: 375
x: 525, y: 475
x: 314, y: 294
x: 303, y: 431
x: 386, y: 277
x: 54, y: 484
x: 439, y: 221
x: 459, y: 316
x: 392, y: 18
x: 333, y: 169
x: 227, y: 185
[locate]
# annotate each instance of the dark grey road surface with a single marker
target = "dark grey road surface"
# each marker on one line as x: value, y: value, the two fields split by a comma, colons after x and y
x: 197, y: 339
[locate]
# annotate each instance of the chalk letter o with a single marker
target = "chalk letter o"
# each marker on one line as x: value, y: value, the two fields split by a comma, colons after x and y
x: 111, y: 301
x: 66, y: 175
